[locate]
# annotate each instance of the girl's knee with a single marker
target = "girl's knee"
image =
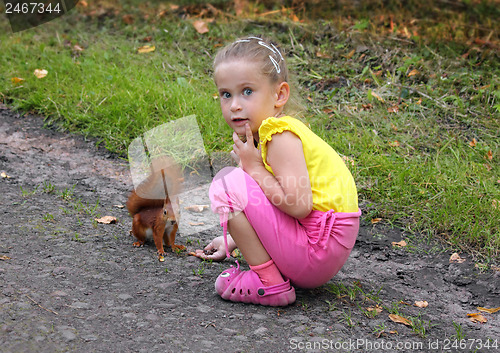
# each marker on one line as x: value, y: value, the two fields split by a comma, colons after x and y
x: 228, y: 189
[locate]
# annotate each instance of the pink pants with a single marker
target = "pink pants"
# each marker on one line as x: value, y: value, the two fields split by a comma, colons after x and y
x: 308, y: 251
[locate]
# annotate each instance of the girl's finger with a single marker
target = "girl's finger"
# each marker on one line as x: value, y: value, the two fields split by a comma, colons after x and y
x: 236, y: 138
x: 248, y: 132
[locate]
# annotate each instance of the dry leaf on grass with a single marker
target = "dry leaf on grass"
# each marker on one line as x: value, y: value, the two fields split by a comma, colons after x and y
x: 490, y: 311
x: 17, y: 80
x: 376, y: 220
x: 378, y: 97
x: 393, y: 109
x: 40, y: 73
x: 456, y: 258
x: 146, y: 49
x: 4, y: 257
x: 399, y: 319
x: 196, y: 208
x: 200, y: 26
x: 473, y: 143
x: 413, y: 72
x: 351, y: 53
x: 489, y: 155
x: 394, y: 143
x: 106, y: 220
x: 421, y: 304
x: 477, y: 317
x: 399, y: 244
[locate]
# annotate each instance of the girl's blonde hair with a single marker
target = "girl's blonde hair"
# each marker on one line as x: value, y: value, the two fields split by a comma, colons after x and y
x: 260, y: 50
x: 271, y: 59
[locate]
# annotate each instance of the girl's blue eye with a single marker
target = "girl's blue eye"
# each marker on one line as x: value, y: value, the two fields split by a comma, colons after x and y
x: 225, y: 95
x: 247, y: 92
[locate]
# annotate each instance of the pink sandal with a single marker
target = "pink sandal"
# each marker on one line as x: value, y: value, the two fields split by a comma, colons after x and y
x: 246, y: 287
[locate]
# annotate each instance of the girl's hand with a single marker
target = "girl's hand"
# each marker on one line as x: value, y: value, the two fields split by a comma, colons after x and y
x: 216, y: 250
x: 249, y: 156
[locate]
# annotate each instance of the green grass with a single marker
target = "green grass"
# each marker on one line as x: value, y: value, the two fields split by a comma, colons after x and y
x: 352, y: 66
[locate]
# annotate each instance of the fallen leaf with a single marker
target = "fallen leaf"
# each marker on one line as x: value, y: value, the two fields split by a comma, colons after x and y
x: 146, y: 49
x: 477, y: 317
x: 351, y: 53
x: 491, y: 311
x: 394, y: 332
x: 378, y: 97
x: 323, y: 55
x: 421, y: 304
x: 393, y: 109
x: 489, y: 155
x: 394, y: 143
x: 40, y: 73
x: 17, y: 80
x: 3, y: 175
x: 456, y: 258
x: 239, y: 6
x: 399, y: 319
x: 196, y: 223
x: 473, y: 143
x: 413, y: 73
x: 191, y: 253
x: 119, y: 206
x: 404, y: 303
x: 106, y: 220
x: 77, y: 48
x: 377, y: 309
x: 128, y: 19
x: 367, y: 106
x: 200, y: 26
x: 196, y: 208
x: 376, y: 220
x: 4, y: 257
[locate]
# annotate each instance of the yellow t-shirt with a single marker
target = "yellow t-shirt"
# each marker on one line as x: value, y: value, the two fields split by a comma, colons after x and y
x: 332, y: 183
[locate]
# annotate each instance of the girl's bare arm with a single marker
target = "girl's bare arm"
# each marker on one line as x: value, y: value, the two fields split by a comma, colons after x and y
x: 289, y: 188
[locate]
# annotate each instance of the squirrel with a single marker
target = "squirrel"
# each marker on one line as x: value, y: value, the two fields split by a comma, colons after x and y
x: 150, y: 213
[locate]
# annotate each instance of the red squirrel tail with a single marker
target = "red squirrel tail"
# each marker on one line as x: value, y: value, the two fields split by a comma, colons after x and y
x: 154, y: 191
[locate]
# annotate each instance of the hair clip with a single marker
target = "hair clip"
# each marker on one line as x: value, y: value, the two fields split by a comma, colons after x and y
x: 271, y: 48
x: 276, y: 65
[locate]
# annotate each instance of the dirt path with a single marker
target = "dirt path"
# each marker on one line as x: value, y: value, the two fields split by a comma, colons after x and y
x: 68, y: 284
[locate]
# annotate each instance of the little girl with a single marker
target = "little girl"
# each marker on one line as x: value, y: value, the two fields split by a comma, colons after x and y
x: 292, y: 206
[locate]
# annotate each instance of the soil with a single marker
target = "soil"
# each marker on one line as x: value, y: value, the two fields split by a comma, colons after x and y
x: 70, y: 284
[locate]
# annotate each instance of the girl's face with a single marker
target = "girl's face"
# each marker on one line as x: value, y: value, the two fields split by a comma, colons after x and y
x: 246, y: 95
